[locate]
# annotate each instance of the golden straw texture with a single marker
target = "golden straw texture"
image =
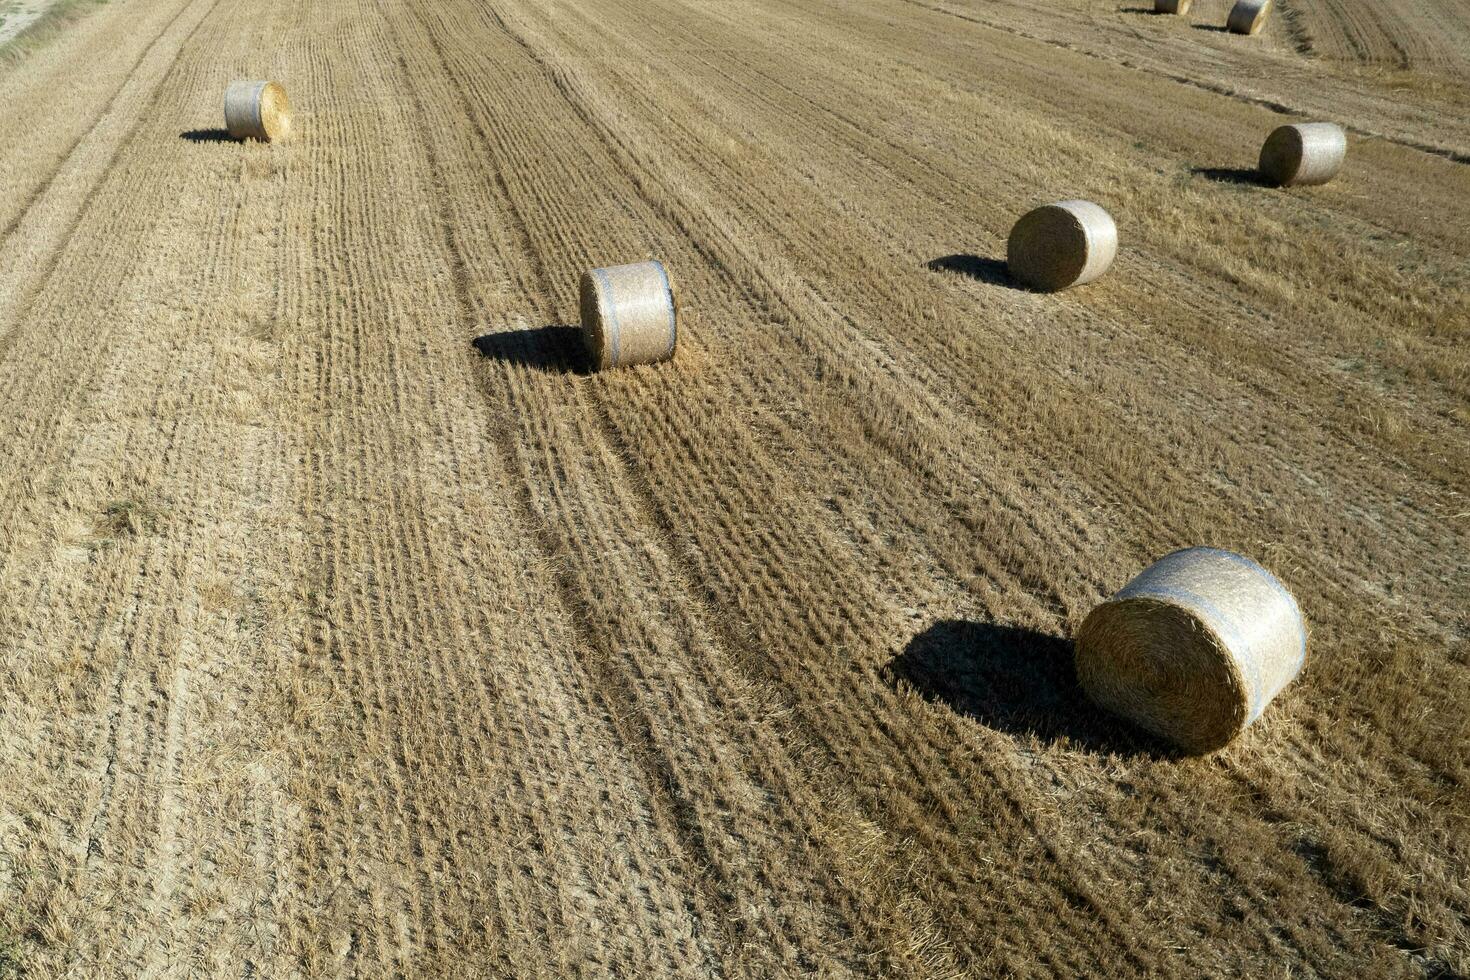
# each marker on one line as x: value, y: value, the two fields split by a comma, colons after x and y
x: 1303, y: 153
x: 1171, y: 6
x: 629, y: 315
x: 1194, y: 648
x: 1061, y: 245
x: 1248, y: 16
x: 257, y: 110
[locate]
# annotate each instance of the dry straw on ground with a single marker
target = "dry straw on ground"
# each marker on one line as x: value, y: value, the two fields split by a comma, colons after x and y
x: 1194, y: 648
x: 629, y: 315
x: 1061, y: 245
x: 425, y: 660
x: 1248, y: 16
x: 1171, y: 6
x: 257, y: 110
x: 1303, y: 153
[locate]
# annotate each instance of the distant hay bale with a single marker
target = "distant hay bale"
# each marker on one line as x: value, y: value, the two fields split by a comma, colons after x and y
x: 629, y: 315
x: 257, y: 111
x: 1303, y: 153
x: 1171, y: 6
x: 1248, y: 16
x: 1194, y: 648
x: 1060, y: 245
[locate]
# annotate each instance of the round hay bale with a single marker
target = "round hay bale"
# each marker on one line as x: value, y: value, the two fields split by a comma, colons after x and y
x: 1194, y: 648
x: 257, y: 111
x: 1248, y: 16
x: 1060, y: 245
x: 629, y: 315
x: 1303, y: 153
x: 1171, y: 6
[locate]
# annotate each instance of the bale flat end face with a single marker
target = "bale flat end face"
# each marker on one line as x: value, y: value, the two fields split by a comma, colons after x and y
x: 1248, y: 16
x: 1193, y: 648
x: 1180, y: 7
x: 1160, y: 667
x: 1061, y: 245
x: 1303, y: 154
x: 275, y: 112
x: 594, y: 335
x: 258, y: 111
x: 629, y: 315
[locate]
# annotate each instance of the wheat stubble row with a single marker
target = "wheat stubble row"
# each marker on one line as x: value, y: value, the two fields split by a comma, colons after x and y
x: 337, y: 645
x: 800, y: 613
x: 137, y: 440
x: 549, y: 203
x: 756, y: 183
x: 296, y: 858
x: 1423, y: 109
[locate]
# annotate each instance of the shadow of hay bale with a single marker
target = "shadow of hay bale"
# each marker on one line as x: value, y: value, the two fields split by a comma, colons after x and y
x: 1017, y: 681
x: 992, y: 271
x: 206, y: 136
x: 1232, y: 175
x: 555, y: 349
x: 1217, y: 28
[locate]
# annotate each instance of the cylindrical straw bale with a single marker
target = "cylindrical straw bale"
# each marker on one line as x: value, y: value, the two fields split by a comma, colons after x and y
x: 1194, y: 648
x: 1171, y: 6
x: 1303, y: 153
x: 1060, y: 245
x: 629, y: 315
x: 257, y: 111
x: 1248, y: 16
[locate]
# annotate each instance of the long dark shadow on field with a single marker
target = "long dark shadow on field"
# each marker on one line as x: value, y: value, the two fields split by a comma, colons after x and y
x: 1013, y: 680
x: 1218, y: 29
x: 555, y: 349
x: 992, y: 271
x: 1232, y: 175
x: 206, y: 136
x: 1139, y: 10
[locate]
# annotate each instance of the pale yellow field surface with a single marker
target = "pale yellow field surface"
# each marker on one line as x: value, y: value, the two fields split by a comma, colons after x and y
x: 349, y: 626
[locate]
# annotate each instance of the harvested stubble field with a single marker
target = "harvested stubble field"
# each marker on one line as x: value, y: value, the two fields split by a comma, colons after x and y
x: 348, y: 627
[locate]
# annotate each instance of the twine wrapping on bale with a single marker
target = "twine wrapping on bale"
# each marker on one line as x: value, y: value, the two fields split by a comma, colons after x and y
x: 629, y: 315
x: 1248, y: 16
x: 1171, y: 6
x: 257, y: 111
x: 1303, y: 153
x: 1194, y: 648
x: 1060, y: 245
